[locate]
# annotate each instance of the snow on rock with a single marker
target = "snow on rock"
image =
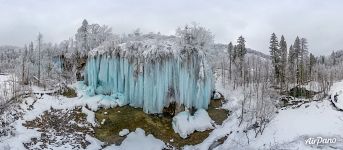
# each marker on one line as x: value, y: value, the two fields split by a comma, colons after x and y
x: 94, y: 143
x: 90, y: 116
x: 103, y: 121
x: 150, y: 73
x: 336, y: 93
x: 217, y: 95
x: 184, y: 124
x: 124, y: 132
x: 138, y: 141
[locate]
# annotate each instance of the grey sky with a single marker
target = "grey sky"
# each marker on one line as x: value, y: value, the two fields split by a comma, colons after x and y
x: 320, y: 21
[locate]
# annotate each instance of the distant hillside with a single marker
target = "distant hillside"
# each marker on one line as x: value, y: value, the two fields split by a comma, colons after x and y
x: 8, y: 48
x: 223, y: 48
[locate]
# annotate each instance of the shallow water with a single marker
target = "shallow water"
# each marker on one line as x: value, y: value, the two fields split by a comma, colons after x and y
x: 127, y: 117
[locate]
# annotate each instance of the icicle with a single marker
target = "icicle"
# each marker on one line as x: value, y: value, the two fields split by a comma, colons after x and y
x: 151, y: 77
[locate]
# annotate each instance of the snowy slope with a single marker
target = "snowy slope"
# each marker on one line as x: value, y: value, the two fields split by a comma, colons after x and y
x: 310, y: 120
x: 289, y: 129
x: 32, y: 108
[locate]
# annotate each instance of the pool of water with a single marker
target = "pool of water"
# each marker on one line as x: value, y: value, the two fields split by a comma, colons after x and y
x: 127, y: 117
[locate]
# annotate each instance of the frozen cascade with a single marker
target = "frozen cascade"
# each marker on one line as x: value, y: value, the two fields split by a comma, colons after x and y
x: 150, y: 74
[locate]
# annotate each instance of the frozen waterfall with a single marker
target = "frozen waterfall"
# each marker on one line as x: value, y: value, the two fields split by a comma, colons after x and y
x: 150, y: 74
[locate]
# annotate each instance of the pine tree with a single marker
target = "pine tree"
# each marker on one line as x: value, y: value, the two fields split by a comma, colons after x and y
x: 241, y: 51
x: 303, y: 57
x: 275, y: 56
x: 312, y: 62
x: 297, y: 50
x: 283, y: 61
x: 230, y: 51
x: 24, y: 57
x: 234, y: 54
x: 333, y: 57
x: 39, y: 46
x: 291, y: 63
x: 82, y: 36
x: 321, y: 60
x: 31, y: 55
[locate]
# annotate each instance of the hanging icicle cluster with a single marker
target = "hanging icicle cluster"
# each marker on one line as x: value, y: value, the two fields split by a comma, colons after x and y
x: 150, y: 73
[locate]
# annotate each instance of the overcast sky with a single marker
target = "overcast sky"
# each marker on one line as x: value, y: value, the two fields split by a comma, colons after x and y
x: 320, y: 21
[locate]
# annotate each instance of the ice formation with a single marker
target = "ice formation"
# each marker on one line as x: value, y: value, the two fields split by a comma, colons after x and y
x: 150, y: 73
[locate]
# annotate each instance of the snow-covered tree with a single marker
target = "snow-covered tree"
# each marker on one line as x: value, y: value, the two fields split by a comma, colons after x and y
x: 311, y: 64
x: 297, y: 50
x: 24, y: 64
x: 275, y: 55
x: 283, y: 60
x: 194, y: 38
x: 39, y: 47
x: 82, y: 36
x: 230, y: 50
x: 303, y: 57
x: 240, y: 51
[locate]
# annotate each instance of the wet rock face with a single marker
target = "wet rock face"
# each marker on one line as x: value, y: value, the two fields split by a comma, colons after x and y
x: 173, y: 109
x: 170, y: 110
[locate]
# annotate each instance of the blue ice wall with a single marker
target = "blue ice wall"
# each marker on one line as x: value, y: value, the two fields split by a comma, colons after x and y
x: 151, y: 83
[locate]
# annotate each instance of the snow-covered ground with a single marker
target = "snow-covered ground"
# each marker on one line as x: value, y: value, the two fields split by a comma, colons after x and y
x: 316, y: 119
x: 289, y: 129
x: 32, y: 108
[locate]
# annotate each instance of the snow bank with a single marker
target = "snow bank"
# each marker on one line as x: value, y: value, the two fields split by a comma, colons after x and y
x: 46, y: 102
x: 184, y: 124
x: 22, y: 135
x: 94, y: 143
x: 124, y: 132
x: 90, y: 116
x: 138, y: 141
x: 150, y: 74
x: 337, y: 91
